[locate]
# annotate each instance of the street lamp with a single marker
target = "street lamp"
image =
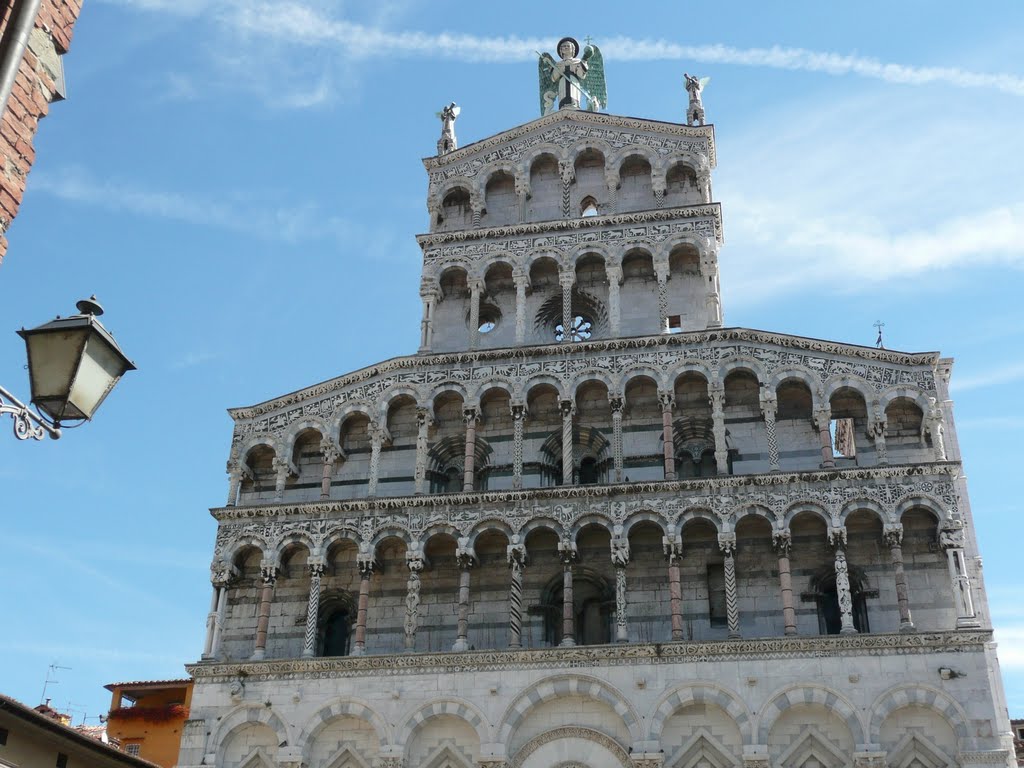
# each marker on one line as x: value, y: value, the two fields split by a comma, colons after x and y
x: 73, y: 363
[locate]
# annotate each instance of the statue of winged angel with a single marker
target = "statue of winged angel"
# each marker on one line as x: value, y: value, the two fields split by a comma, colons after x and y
x: 567, y: 82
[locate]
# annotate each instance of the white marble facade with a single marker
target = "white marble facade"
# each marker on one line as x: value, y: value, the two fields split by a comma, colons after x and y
x: 587, y: 524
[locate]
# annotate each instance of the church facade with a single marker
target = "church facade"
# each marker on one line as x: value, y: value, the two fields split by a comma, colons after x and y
x: 587, y: 524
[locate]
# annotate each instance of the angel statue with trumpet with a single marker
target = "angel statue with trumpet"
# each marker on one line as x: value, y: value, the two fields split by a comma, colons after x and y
x: 566, y: 83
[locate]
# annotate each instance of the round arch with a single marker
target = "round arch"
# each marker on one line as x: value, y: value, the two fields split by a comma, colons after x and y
x: 699, y: 693
x: 808, y: 694
x: 921, y: 695
x: 454, y: 707
x: 243, y: 715
x: 342, y: 708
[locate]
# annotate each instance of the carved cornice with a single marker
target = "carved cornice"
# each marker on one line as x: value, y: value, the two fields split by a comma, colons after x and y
x: 462, y: 154
x: 703, y: 211
x: 680, y: 342
x: 762, y: 649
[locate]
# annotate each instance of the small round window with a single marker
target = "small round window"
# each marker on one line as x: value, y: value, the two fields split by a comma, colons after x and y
x: 490, y: 316
x: 486, y: 326
x: 581, y: 329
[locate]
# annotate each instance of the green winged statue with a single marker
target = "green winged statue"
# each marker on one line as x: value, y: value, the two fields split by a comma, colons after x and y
x: 573, y: 79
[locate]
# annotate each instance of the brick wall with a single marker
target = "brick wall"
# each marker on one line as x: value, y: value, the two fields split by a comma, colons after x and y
x: 34, y: 88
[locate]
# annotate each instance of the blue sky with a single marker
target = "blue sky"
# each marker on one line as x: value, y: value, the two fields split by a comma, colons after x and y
x: 240, y: 183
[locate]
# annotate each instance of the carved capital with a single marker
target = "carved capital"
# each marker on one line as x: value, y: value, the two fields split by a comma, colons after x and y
x: 837, y: 537
x: 516, y: 553
x: 317, y: 567
x: 330, y: 450
x: 616, y: 401
x: 672, y: 547
x: 769, y: 401
x: 727, y: 543
x: 951, y: 534
x: 822, y: 417
x: 892, y: 535
x: 620, y: 552
x: 366, y: 563
x: 567, y: 279
x: 222, y: 573
x: 667, y: 400
x: 465, y: 557
x: 782, y: 541
x: 567, y: 552
x: 614, y: 273
x: 424, y: 418
x: 567, y: 407
x: 518, y: 410
x: 470, y: 415
x: 268, y: 573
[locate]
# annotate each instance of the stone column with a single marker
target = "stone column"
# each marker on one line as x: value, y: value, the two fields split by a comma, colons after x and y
x: 316, y: 570
x: 673, y: 548
x: 465, y: 560
x: 716, y: 394
x: 668, y: 443
x: 659, y: 193
x: 567, y: 280
x: 822, y: 420
x: 429, y: 295
x: 518, y: 417
x: 952, y: 540
x: 365, y: 563
x: 782, y: 541
x: 331, y: 453
x: 475, y: 289
x: 521, y: 280
x: 892, y: 535
x: 936, y: 429
x: 620, y: 558
x: 616, y: 401
x: 234, y: 482
x: 704, y: 184
x: 568, y: 555
x: 769, y: 408
x: 709, y: 271
x: 876, y: 431
x: 522, y: 196
x: 470, y: 416
x: 477, y: 207
x: 568, y: 172
x: 268, y: 572
x: 423, y: 422
x: 376, y: 442
x: 283, y: 469
x: 415, y: 561
x: 614, y: 273
x: 221, y: 574
x: 218, y: 627
x: 727, y: 543
x: 661, y: 272
x: 611, y: 178
x: 837, y: 538
x: 516, y: 554
x: 211, y: 623
x: 568, y: 408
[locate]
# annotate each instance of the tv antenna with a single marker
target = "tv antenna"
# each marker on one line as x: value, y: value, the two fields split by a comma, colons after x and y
x: 50, y: 680
x: 878, y: 342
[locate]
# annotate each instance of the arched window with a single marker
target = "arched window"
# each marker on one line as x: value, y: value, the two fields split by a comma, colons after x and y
x: 593, y: 606
x: 588, y: 207
x: 589, y: 473
x: 336, y: 633
x: 827, y: 597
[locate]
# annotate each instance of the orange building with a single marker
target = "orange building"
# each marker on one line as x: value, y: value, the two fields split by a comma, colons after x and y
x: 146, y: 717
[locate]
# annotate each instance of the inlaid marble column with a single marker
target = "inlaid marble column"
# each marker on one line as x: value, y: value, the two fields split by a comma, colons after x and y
x: 516, y: 554
x: 567, y: 279
x: 365, y: 562
x: 876, y: 431
x: 268, y: 573
x: 614, y: 273
x: 658, y: 187
x: 667, y: 400
x: 727, y: 543
x: 782, y: 541
x: 620, y: 559
x: 429, y: 295
x: 568, y: 555
x: 415, y: 561
x: 822, y: 421
x: 477, y: 207
x: 716, y: 395
x: 464, y: 559
x: 522, y: 196
x: 423, y: 422
x: 475, y: 290
x: 567, y: 172
x: 661, y: 272
x: 330, y: 452
x: 892, y: 535
x: 769, y: 409
x: 521, y: 281
x: 673, y: 548
x: 470, y: 416
x: 220, y: 577
x: 377, y: 435
x: 518, y: 419
x: 616, y: 401
x: 316, y: 571
x: 952, y: 540
x: 611, y: 179
x: 837, y: 539
x: 568, y: 408
x: 283, y: 469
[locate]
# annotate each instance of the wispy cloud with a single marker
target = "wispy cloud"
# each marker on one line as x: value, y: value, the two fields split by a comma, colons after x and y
x: 192, y: 359
x: 989, y: 378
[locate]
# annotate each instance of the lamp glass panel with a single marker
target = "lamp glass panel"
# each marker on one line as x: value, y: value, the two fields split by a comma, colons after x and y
x: 99, y: 370
x: 53, y: 358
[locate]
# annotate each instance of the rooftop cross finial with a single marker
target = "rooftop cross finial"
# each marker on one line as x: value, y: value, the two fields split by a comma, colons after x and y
x: 564, y: 83
x: 447, y: 142
x: 878, y: 342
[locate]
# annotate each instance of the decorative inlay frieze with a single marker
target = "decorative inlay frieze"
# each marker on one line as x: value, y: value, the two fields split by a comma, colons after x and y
x: 621, y: 654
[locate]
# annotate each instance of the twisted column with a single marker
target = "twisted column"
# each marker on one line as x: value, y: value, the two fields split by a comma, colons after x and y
x: 470, y: 416
x: 475, y: 289
x: 331, y: 453
x: 716, y: 394
x: 423, y: 422
x: 268, y: 573
x: 782, y: 541
x: 567, y: 280
x: 769, y: 408
x: 616, y: 402
x: 661, y: 273
x: 822, y: 420
x: 568, y: 408
x: 518, y: 417
x: 727, y: 543
x: 477, y: 208
x: 516, y: 554
x: 568, y: 555
x: 952, y: 540
x: 611, y: 179
x: 667, y: 399
x: 892, y: 535
x: 282, y: 470
x: 376, y: 441
x: 620, y: 559
x: 365, y: 563
x: 464, y: 559
x: 415, y: 561
x: 614, y: 272
x: 837, y: 538
x: 316, y: 570
x: 521, y: 280
x: 429, y: 295
x: 673, y: 548
x: 567, y: 172
x: 876, y: 431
